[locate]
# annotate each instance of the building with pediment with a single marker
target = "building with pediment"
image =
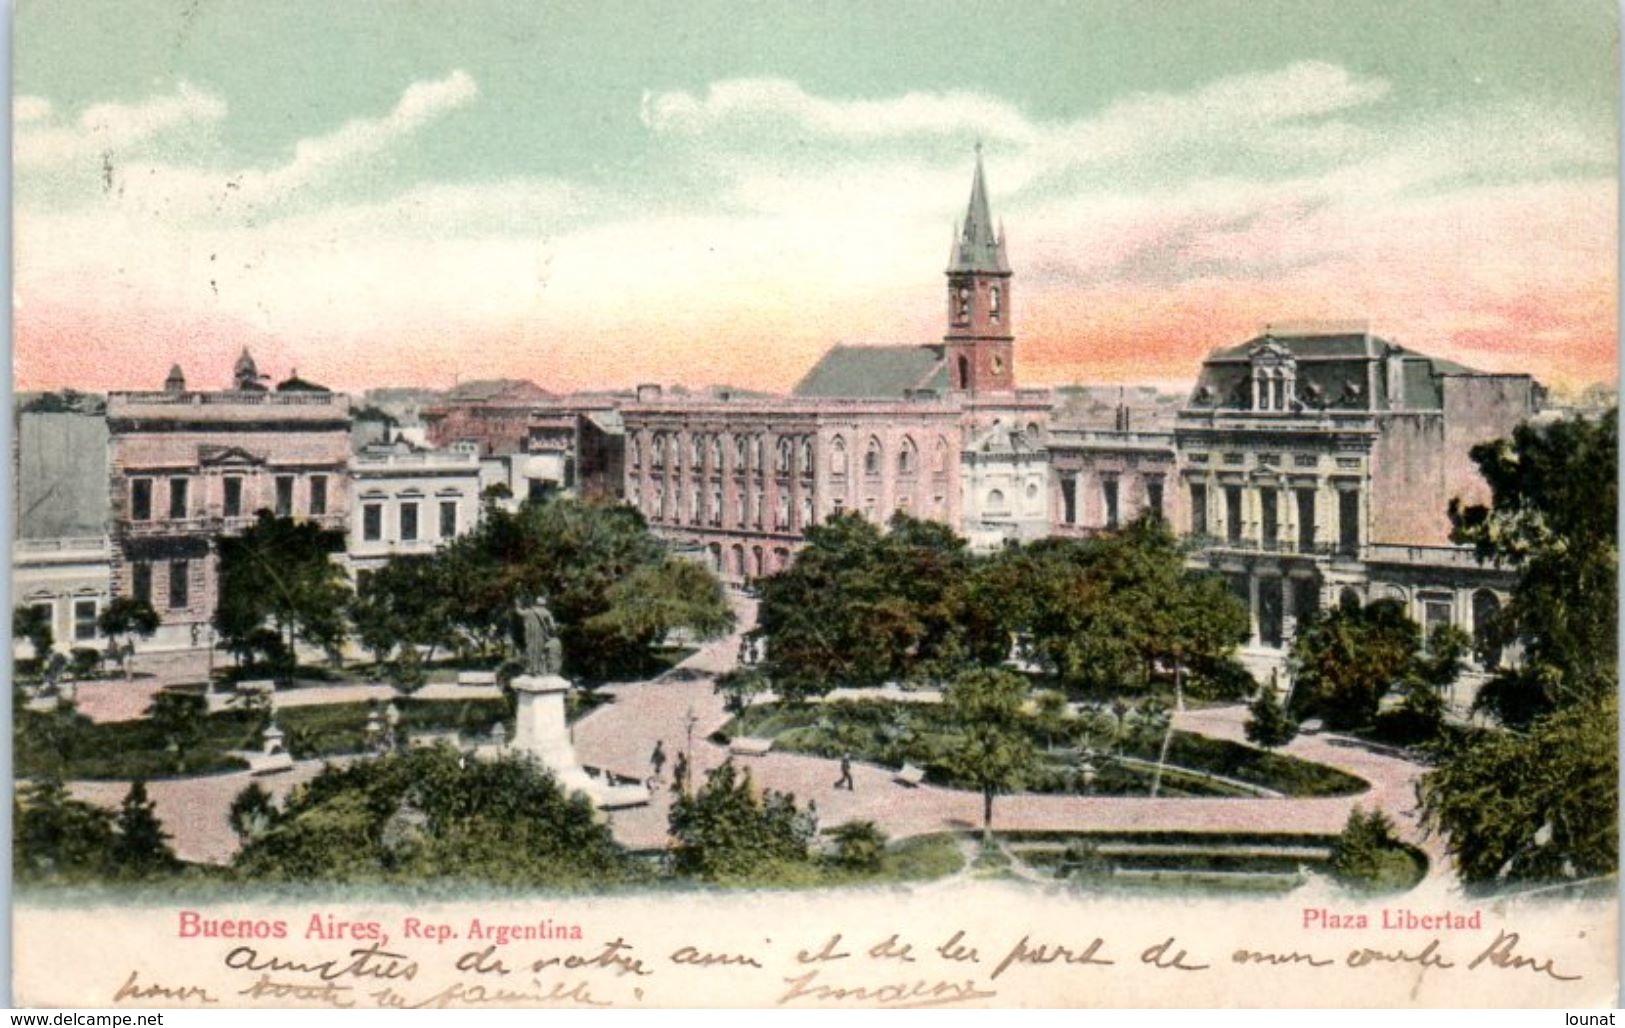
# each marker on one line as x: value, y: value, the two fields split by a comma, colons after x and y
x: 188, y: 466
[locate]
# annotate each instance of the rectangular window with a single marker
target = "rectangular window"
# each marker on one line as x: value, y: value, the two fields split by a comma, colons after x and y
x: 141, y: 499
x: 1108, y: 490
x: 178, y: 488
x: 234, y: 497
x: 372, y: 522
x: 318, y: 495
x: 1069, y: 500
x: 46, y: 611
x: 84, y: 620
x: 178, y: 583
x: 1153, y: 497
x: 141, y: 582
x: 409, y: 522
x: 1306, y: 520
x: 1348, y: 520
x: 284, y: 496
x: 1271, y: 519
x: 448, y: 518
x: 1198, y: 509
x: 1232, y: 513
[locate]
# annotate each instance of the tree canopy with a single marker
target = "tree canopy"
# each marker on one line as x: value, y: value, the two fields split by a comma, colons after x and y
x: 730, y: 831
x: 431, y: 813
x: 1539, y: 800
x: 281, y: 572
x: 1553, y: 516
x: 993, y: 749
x: 1345, y: 660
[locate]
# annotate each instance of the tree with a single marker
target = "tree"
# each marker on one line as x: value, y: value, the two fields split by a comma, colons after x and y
x: 33, y: 624
x: 181, y: 717
x: 993, y: 748
x: 1346, y: 659
x: 729, y: 831
x: 1368, y: 858
x: 141, y: 846
x: 1118, y: 610
x: 56, y: 836
x: 407, y: 603
x: 125, y: 619
x: 1270, y: 724
x: 252, y: 813
x: 434, y: 814
x: 859, y: 846
x: 282, y: 571
x: 1532, y: 806
x: 1553, y: 516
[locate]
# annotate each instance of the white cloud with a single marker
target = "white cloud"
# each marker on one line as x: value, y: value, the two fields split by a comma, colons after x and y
x: 107, y: 126
x: 765, y: 102
x: 28, y: 109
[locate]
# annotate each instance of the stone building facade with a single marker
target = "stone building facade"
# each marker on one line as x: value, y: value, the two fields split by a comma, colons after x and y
x: 745, y: 478
x: 404, y: 500
x: 186, y: 467
x: 1310, y: 467
x: 1317, y: 465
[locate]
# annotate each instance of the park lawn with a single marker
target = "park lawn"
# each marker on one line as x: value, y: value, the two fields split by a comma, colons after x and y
x: 135, y: 749
x: 893, y: 734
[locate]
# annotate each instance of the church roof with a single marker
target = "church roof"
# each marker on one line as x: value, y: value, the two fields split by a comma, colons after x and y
x: 874, y: 372
x: 977, y: 246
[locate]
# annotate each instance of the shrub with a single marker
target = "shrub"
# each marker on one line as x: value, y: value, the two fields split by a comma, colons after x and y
x: 859, y: 846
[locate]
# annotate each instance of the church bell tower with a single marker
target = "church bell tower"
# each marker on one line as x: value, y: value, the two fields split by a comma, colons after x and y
x: 979, y: 343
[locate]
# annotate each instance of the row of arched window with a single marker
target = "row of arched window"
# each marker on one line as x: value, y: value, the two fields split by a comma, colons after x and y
x: 793, y: 453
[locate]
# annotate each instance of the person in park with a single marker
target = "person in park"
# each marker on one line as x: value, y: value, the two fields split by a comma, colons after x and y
x: 845, y: 781
x: 679, y: 773
x: 657, y: 759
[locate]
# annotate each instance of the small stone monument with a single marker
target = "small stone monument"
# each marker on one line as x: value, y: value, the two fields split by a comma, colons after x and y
x: 273, y: 757
x: 539, y: 725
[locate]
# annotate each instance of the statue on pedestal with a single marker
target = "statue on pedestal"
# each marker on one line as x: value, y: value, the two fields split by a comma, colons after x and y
x: 543, y: 655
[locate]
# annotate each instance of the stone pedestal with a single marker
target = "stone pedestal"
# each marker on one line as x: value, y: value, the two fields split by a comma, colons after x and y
x: 540, y: 731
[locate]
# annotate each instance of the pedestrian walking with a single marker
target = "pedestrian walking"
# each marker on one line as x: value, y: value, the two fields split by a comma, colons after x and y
x: 657, y: 760
x: 845, y: 781
x: 679, y: 773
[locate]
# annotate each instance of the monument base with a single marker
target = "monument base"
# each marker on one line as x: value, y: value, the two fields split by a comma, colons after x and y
x: 540, y: 731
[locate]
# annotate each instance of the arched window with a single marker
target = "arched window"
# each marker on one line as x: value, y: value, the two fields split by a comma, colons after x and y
x: 739, y: 560
x: 806, y: 456
x: 964, y: 373
x: 741, y: 455
x: 837, y: 456
x: 908, y: 457
x: 781, y: 514
x: 697, y: 448
x: 939, y: 461
x: 782, y: 465
x: 636, y: 452
x: 716, y: 557
x: 994, y: 306
x: 756, y: 560
x: 1349, y: 599
x: 657, y: 451
x: 806, y: 512
x: 871, y: 457
x: 694, y: 506
x: 716, y: 454
x: 995, y: 499
x: 761, y: 454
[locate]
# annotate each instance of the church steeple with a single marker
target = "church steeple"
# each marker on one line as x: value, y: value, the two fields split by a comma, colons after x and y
x: 978, y: 248
x: 979, y: 340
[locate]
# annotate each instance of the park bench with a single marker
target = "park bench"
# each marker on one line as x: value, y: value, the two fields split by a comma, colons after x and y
x: 430, y: 739
x: 746, y: 747
x: 476, y: 678
x: 1314, y: 726
x: 910, y: 776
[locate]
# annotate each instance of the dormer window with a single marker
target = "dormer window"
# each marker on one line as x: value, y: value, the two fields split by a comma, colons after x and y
x: 1274, y: 377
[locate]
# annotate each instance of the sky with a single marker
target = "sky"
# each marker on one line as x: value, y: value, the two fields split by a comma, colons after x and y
x: 602, y: 193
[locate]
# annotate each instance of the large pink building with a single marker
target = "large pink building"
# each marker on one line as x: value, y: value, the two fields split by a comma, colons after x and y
x: 874, y: 430
x: 189, y: 466
x: 745, y: 478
